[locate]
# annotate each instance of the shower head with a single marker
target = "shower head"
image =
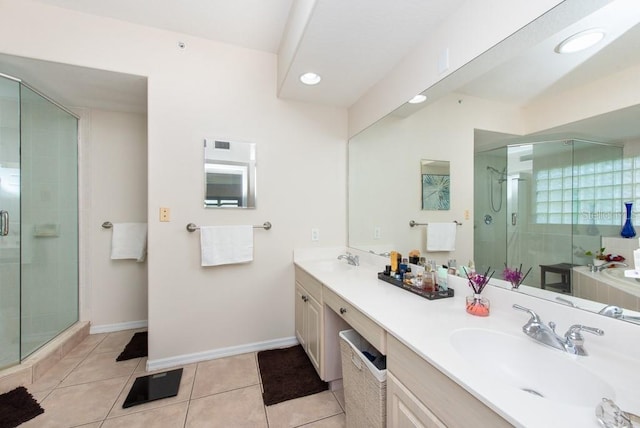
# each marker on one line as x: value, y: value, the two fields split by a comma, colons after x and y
x: 492, y: 169
x: 502, y: 174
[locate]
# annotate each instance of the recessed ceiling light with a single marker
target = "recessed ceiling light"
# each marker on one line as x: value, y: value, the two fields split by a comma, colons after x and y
x: 310, y: 78
x: 418, y: 99
x: 580, y: 41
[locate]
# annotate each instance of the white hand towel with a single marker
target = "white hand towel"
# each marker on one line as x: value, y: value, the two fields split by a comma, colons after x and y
x: 129, y: 241
x: 441, y: 236
x: 223, y: 245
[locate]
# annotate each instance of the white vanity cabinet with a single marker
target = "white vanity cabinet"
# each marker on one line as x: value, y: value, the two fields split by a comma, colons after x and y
x: 404, y: 410
x: 309, y: 318
x: 355, y: 319
x: 419, y: 395
x: 317, y: 325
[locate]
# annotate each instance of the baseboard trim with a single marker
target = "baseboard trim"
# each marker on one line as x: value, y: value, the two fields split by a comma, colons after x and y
x: 109, y: 328
x: 180, y: 360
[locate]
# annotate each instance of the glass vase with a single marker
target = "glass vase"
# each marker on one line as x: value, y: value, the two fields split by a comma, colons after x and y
x: 627, y: 229
x: 478, y: 305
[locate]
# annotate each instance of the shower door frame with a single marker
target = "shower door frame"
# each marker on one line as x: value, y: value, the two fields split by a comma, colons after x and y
x: 46, y: 277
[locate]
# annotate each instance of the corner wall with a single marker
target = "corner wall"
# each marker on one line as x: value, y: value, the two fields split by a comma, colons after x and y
x: 118, y: 150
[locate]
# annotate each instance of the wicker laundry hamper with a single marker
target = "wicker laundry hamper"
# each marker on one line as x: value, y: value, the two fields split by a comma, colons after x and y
x: 365, y: 382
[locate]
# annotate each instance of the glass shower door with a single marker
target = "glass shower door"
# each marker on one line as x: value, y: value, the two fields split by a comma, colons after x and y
x: 9, y: 222
x: 539, y: 230
x: 49, y: 238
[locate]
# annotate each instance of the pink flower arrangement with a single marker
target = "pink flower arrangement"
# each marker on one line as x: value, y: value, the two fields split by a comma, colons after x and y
x: 477, y: 281
x: 514, y: 276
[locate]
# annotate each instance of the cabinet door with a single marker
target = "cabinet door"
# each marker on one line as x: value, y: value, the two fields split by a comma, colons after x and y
x: 300, y: 317
x: 404, y: 410
x: 313, y: 331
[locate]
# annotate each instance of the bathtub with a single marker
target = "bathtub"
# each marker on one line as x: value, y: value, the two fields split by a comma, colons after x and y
x: 615, y: 277
x: 609, y: 287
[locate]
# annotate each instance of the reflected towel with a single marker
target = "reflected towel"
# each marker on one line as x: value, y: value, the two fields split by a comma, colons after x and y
x: 441, y: 236
x: 223, y: 245
x: 129, y: 241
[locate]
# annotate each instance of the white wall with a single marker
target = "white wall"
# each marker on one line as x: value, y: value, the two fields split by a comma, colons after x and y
x: 118, y: 150
x: 385, y: 170
x: 208, y: 89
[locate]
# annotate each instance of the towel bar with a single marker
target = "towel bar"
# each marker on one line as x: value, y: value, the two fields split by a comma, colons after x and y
x: 413, y: 223
x: 192, y: 227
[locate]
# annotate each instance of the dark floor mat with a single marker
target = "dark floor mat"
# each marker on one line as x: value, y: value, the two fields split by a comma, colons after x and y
x: 287, y: 374
x: 17, y: 406
x: 136, y: 348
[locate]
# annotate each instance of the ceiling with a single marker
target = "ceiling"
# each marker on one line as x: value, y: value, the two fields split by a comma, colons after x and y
x: 545, y: 72
x: 352, y: 44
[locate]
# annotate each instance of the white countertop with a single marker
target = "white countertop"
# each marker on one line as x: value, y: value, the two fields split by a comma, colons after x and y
x: 425, y: 326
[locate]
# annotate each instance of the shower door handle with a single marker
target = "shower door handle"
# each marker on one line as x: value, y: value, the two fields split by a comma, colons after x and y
x: 514, y: 219
x: 4, y: 223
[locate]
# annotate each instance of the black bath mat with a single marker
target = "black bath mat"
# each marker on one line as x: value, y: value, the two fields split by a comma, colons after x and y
x: 287, y: 374
x: 17, y: 406
x: 136, y: 348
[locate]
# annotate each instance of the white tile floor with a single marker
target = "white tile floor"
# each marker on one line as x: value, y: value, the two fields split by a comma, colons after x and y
x: 87, y: 389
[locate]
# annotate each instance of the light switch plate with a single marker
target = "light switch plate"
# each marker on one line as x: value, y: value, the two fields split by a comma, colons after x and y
x: 315, y: 234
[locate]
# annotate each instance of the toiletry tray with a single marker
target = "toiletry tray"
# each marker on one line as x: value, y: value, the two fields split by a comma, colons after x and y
x: 431, y: 295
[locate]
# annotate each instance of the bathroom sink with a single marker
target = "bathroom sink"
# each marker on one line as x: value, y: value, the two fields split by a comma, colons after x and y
x: 530, y: 367
x: 332, y: 265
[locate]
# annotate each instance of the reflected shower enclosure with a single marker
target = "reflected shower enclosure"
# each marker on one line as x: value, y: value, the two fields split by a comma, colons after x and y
x: 535, y: 203
x: 39, y: 230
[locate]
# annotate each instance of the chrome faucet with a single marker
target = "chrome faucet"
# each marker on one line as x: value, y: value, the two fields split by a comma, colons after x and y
x: 599, y: 268
x: 572, y: 341
x: 350, y: 258
x: 618, y: 313
x: 385, y: 254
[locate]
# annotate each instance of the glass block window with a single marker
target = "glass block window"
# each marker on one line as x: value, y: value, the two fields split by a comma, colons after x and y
x: 590, y: 193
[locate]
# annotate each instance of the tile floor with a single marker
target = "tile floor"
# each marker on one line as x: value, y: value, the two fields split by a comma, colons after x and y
x: 87, y: 389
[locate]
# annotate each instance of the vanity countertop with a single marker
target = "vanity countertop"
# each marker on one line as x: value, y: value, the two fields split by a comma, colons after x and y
x: 425, y: 326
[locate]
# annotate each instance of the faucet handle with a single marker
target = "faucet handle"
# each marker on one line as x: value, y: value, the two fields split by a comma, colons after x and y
x: 534, y: 317
x: 574, y: 332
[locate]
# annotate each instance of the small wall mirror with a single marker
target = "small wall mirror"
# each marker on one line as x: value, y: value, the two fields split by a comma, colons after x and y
x: 229, y: 174
x: 436, y: 182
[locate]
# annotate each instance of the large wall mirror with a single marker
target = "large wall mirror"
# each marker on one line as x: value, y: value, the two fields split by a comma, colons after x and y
x: 518, y: 102
x: 229, y: 174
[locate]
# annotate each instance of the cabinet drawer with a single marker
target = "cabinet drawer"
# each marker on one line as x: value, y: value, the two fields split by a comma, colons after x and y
x: 449, y: 402
x: 312, y: 285
x: 357, y: 320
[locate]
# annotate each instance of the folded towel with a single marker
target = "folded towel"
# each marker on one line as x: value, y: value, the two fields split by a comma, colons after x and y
x: 129, y: 241
x: 223, y: 245
x: 441, y: 236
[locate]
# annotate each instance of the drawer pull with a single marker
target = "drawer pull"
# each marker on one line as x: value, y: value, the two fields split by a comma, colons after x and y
x: 304, y: 298
x: 343, y: 311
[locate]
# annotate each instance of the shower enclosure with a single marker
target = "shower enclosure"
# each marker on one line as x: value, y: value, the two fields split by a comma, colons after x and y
x: 545, y: 203
x: 38, y: 220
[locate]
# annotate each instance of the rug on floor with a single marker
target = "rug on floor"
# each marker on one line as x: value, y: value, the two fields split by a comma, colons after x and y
x: 136, y: 348
x: 17, y: 406
x: 287, y: 373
